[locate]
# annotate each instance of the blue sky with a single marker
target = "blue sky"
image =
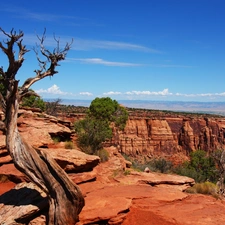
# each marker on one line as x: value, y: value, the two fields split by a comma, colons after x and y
x: 136, y: 49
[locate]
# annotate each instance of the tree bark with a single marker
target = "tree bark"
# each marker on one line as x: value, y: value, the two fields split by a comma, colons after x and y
x: 65, y: 198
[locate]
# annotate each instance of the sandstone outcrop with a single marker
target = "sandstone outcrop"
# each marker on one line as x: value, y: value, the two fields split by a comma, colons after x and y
x: 72, y: 160
x: 170, y: 135
x: 21, y: 204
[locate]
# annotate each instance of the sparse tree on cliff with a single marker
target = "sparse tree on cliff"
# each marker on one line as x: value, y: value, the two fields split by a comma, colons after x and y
x: 65, y: 198
x: 96, y: 127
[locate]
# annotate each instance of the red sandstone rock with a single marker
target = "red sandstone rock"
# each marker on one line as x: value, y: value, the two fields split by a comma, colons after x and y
x: 170, y: 136
x: 38, y: 130
x: 21, y: 203
x: 194, y: 209
x: 84, y: 177
x: 12, y: 174
x: 73, y: 160
x: 6, y: 186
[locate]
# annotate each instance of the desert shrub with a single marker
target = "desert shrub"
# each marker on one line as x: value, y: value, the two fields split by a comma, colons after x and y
x: 52, y: 107
x: 56, y: 139
x: 185, y: 170
x: 160, y: 165
x: 91, y: 134
x: 206, y: 188
x: 156, y: 165
x: 69, y: 145
x: 103, y: 154
x: 33, y: 102
x: 200, y: 167
x: 126, y: 172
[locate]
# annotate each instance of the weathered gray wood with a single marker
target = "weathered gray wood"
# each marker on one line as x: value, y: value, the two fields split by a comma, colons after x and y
x: 65, y: 198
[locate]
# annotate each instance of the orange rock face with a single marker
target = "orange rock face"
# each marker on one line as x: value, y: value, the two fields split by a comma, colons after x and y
x: 170, y: 136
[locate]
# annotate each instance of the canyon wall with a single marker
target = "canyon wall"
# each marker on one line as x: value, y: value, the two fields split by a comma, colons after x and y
x: 170, y: 135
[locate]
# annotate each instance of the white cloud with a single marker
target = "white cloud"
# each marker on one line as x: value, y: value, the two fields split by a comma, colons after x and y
x: 86, y: 93
x: 54, y: 90
x: 103, y: 62
x: 164, y: 92
x: 112, y: 93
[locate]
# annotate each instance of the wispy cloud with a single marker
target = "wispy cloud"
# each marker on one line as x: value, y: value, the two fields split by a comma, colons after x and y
x: 85, y: 44
x: 169, y: 66
x: 20, y: 12
x: 104, y: 62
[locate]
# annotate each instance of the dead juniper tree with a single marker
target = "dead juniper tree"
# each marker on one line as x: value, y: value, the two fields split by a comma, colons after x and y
x: 65, y: 198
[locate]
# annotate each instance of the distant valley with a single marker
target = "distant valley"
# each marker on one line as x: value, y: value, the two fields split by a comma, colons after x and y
x: 195, y: 107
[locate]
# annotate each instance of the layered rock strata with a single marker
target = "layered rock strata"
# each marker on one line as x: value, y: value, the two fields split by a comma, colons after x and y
x: 170, y: 135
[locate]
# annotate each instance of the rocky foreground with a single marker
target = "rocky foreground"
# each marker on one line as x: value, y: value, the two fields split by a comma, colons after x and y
x: 114, y: 193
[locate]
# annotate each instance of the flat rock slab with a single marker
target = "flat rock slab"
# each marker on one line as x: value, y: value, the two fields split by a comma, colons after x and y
x: 79, y: 178
x: 111, y: 203
x: 21, y: 203
x: 194, y: 209
x: 156, y: 179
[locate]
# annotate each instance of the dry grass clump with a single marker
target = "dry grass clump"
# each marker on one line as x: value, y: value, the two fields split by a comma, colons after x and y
x: 103, y: 154
x: 206, y: 188
x: 69, y: 145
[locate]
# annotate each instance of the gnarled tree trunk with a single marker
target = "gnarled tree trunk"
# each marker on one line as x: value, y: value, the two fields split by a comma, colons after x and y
x: 65, y: 198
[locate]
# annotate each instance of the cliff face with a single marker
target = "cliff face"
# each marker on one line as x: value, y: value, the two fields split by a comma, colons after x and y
x: 170, y: 135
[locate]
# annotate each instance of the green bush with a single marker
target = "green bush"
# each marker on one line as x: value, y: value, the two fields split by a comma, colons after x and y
x: 33, y: 102
x: 56, y: 139
x: 160, y: 165
x: 91, y: 134
x: 200, y: 167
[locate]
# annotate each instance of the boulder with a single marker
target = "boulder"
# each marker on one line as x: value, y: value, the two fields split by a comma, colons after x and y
x: 73, y: 160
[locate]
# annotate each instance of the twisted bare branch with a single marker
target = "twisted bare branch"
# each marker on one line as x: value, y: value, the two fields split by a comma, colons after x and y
x: 14, y: 65
x: 50, y: 62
